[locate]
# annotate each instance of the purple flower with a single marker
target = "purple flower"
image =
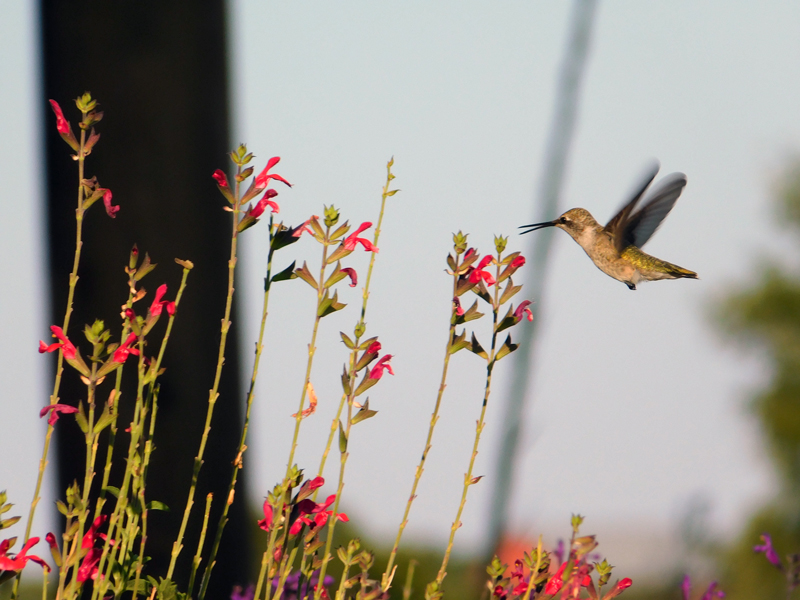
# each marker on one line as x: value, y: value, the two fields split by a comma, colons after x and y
x: 292, y: 590
x: 686, y: 587
x: 768, y: 550
x: 247, y: 594
x: 712, y: 592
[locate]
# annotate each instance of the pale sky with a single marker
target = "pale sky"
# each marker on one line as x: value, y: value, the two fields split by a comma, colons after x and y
x: 639, y: 405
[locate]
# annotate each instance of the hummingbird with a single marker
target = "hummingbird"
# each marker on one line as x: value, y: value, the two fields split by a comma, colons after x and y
x: 616, y: 248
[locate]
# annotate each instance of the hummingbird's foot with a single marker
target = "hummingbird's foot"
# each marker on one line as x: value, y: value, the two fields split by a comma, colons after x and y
x: 631, y: 286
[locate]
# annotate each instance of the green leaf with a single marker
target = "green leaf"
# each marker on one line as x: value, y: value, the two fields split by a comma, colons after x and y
x: 114, y: 491
x: 80, y: 417
x: 62, y: 508
x: 364, y: 414
x: 336, y: 276
x: 156, y: 505
x: 104, y: 421
x: 347, y: 341
x: 282, y: 237
x: 346, y: 382
x: 509, y: 292
x: 508, y: 321
x: 6, y: 523
x: 392, y: 192
x: 342, y: 439
x: 451, y: 262
x: 333, y: 305
x: 366, y: 383
x: 340, y: 231
x: 507, y: 348
x: 476, y: 347
x: 304, y: 274
x: 286, y: 274
x: 246, y: 223
x: 459, y: 343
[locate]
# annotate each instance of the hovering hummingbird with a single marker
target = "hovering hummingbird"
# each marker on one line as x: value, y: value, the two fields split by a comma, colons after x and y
x: 615, y: 248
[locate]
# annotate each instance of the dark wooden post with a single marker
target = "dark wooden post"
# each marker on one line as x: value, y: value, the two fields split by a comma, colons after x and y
x: 159, y: 71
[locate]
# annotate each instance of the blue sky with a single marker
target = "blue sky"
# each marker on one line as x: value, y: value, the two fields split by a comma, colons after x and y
x: 639, y: 405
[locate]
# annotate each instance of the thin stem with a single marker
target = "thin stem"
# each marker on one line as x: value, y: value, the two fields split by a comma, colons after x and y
x: 481, y: 423
x: 237, y: 463
x: 199, y: 553
x: 73, y: 280
x: 535, y: 572
x: 388, y: 574
x: 409, y: 578
x: 213, y: 392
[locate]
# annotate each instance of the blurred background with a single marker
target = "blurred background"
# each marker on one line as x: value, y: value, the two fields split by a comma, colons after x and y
x: 667, y: 415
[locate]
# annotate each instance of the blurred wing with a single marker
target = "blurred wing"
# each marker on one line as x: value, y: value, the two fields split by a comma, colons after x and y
x: 642, y: 224
x: 618, y: 221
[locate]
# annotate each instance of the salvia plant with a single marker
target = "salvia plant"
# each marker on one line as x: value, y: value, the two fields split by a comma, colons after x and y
x: 102, y: 552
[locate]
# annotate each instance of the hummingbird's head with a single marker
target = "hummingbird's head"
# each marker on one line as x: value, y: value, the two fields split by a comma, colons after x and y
x: 577, y: 222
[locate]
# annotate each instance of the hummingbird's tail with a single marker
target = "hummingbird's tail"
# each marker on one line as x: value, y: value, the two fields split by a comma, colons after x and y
x: 679, y: 272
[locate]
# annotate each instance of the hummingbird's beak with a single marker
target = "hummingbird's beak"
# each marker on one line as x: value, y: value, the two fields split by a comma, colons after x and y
x: 535, y: 226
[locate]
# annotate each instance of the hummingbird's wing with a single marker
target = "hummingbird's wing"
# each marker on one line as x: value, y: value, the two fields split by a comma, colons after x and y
x: 617, y: 223
x: 642, y: 224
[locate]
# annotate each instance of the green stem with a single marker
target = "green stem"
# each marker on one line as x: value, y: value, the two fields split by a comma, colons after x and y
x: 478, y: 430
x: 73, y: 280
x: 199, y: 553
x: 237, y: 463
x: 213, y: 393
x: 388, y: 574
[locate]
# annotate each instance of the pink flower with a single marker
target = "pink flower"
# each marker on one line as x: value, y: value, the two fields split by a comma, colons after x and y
x: 258, y: 209
x: 66, y: 346
x: 711, y: 593
x: 219, y: 175
x: 18, y: 562
x: 625, y: 584
x: 62, y: 125
x: 111, y: 211
x: 374, y: 348
x: 457, y: 306
x: 56, y: 410
x: 768, y: 550
x: 351, y: 240
x: 351, y: 273
x: 477, y: 274
x: 158, y: 303
x: 262, y: 180
x: 380, y: 366
x: 686, y: 587
x: 121, y: 354
x: 523, y: 310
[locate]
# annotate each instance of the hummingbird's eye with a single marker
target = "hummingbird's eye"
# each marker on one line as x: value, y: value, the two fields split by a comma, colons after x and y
x: 563, y: 220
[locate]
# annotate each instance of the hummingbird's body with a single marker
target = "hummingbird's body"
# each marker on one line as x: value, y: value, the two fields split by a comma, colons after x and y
x: 615, y: 248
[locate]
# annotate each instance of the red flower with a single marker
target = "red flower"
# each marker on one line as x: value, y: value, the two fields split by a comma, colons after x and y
x: 523, y: 309
x: 518, y: 262
x: 383, y: 363
x: 56, y: 410
x: 219, y: 175
x: 555, y: 583
x: 624, y: 584
x: 258, y: 209
x: 66, y: 346
x: 88, y: 568
x: 351, y: 240
x: 121, y: 354
x: 91, y: 536
x: 111, y: 211
x: 477, y: 274
x: 469, y: 253
x: 266, y: 522
x: 262, y: 180
x: 18, y: 562
x: 351, y: 273
x: 374, y: 348
x: 298, y: 231
x: 61, y: 123
x: 158, y: 303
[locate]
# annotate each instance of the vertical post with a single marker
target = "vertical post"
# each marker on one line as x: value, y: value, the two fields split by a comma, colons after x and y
x: 159, y: 70
x: 546, y: 208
